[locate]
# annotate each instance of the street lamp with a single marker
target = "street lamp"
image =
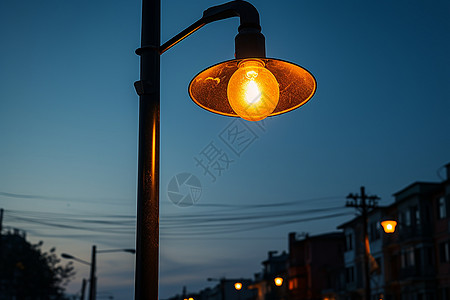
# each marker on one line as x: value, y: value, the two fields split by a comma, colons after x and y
x: 93, y: 265
x: 238, y: 286
x: 250, y: 86
x: 278, y: 281
x: 389, y: 226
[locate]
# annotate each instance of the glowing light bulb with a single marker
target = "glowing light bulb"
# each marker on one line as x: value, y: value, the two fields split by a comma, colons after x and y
x: 238, y: 286
x: 253, y: 91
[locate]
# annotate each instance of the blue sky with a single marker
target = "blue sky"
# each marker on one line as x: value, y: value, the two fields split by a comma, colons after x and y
x: 68, y: 127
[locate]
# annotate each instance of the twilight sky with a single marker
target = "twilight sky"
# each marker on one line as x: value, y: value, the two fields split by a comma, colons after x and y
x: 69, y: 115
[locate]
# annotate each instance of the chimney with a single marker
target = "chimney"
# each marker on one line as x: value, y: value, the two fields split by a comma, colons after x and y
x: 292, y: 237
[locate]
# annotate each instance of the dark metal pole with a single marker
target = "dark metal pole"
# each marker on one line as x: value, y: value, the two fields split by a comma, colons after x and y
x: 148, y: 89
x: 83, y: 289
x: 366, y: 245
x: 147, y: 226
x: 1, y: 220
x: 364, y: 207
x: 93, y: 279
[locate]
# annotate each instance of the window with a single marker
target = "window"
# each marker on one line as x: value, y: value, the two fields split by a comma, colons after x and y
x: 408, y: 258
x: 293, y: 283
x: 417, y: 257
x: 416, y: 213
x: 408, y: 217
x: 348, y: 242
x: 429, y: 256
x: 444, y: 251
x: 442, y: 209
x: 374, y: 232
x: 350, y: 274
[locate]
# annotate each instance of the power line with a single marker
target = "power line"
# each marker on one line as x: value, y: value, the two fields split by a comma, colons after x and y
x: 208, y: 223
x: 60, y: 198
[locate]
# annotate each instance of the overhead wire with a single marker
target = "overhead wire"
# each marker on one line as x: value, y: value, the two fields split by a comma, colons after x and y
x: 235, y: 218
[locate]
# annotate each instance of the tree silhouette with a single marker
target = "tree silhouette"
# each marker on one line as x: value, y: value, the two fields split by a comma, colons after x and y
x: 27, y: 273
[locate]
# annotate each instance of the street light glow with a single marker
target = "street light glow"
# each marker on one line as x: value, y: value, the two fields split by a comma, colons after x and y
x: 253, y: 91
x: 278, y: 281
x: 219, y: 90
x: 238, y: 286
x: 389, y: 226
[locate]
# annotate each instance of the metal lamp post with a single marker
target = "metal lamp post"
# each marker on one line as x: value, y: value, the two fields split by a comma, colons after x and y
x: 249, y: 53
x: 93, y: 266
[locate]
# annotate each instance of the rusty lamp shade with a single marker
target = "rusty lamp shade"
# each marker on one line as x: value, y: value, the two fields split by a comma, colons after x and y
x: 389, y: 226
x: 294, y: 87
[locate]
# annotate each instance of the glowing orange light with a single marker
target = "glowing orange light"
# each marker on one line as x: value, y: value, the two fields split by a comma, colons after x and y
x: 389, y: 226
x: 253, y: 91
x: 238, y: 286
x: 278, y: 281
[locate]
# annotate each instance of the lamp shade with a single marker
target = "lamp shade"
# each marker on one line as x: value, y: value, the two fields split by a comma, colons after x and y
x: 209, y: 88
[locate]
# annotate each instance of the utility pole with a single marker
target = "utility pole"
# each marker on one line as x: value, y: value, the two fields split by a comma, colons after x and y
x: 363, y: 203
x: 93, y: 279
x: 1, y: 220
x: 1, y: 228
x: 83, y: 288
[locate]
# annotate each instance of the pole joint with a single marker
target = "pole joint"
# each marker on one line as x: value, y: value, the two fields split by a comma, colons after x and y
x: 249, y: 42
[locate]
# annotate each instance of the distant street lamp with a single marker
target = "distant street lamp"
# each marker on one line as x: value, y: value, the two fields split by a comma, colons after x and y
x: 278, y: 281
x: 250, y: 86
x: 93, y: 265
x: 389, y: 226
x: 238, y: 286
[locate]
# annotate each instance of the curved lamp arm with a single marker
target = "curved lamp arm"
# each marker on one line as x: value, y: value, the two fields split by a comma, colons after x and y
x: 248, y: 43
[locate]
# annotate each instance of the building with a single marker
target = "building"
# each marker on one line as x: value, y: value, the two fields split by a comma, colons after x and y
x: 225, y: 289
x: 315, y: 266
x: 441, y: 215
x: 264, y: 285
x: 409, y: 252
x: 413, y: 263
x: 353, y: 257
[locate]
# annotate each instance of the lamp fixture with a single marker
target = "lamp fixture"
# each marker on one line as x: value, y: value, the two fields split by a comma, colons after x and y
x: 389, y: 226
x: 251, y: 86
x: 278, y: 281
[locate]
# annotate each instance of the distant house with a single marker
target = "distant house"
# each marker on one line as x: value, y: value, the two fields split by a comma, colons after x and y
x: 441, y: 212
x: 412, y: 263
x: 275, y: 266
x: 354, y: 257
x: 315, y: 265
x: 411, y: 268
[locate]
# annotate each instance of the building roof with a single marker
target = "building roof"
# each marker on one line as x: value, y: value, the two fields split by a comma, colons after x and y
x: 416, y: 188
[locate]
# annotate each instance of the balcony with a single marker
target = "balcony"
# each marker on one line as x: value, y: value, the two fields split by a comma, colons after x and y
x: 417, y: 273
